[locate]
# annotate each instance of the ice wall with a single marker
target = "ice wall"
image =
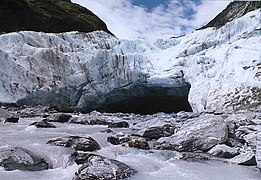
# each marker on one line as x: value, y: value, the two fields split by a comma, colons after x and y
x: 79, y: 71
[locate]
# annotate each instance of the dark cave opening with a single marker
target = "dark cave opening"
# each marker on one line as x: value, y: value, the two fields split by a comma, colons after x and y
x: 150, y: 105
x: 147, y: 99
x: 137, y: 98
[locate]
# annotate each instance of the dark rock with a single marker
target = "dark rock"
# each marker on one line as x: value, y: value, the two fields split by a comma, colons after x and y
x: 244, y: 130
x: 153, y: 133
x: 233, y: 143
x: 198, y: 134
x: 77, y: 120
x: 43, y: 124
x: 98, y: 167
x: 223, y: 151
x: 137, y: 143
x: 247, y: 159
x: 237, y: 122
x: 99, y: 122
x: 231, y: 126
x: 59, y: 117
x: 157, y: 132
x: 4, y: 113
x: 81, y: 158
x: 89, y: 120
x: 241, y: 132
x: 113, y: 140
x: 12, y: 119
x: 122, y: 124
x: 233, y: 11
x: 45, y: 115
x: 107, y: 131
x: 118, y: 139
x: 6, y: 116
x: 126, y: 141
x: 250, y: 162
x: 258, y: 150
x: 241, y: 140
x: 47, y: 16
x: 22, y: 159
x: 76, y: 142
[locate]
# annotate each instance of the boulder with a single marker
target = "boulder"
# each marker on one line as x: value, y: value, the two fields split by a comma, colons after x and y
x: 122, y: 124
x: 76, y: 142
x: 12, y: 119
x: 107, y: 131
x: 232, y: 126
x: 94, y: 118
x: 233, y: 142
x: 157, y: 132
x: 247, y: 158
x: 223, y: 151
x: 99, y: 167
x: 78, y: 120
x: 81, y: 158
x: 197, y: 134
x: 113, y: 140
x: 247, y: 134
x: 6, y: 116
x: 99, y: 122
x: 45, y: 115
x: 137, y: 143
x: 118, y: 138
x: 43, y: 124
x: 126, y: 141
x: 22, y: 159
x: 59, y: 117
x: 89, y: 120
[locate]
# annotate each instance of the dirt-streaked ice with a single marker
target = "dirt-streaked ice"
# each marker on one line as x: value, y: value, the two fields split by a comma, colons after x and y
x: 77, y: 70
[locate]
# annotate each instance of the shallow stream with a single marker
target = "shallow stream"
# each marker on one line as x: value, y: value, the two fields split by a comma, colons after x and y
x: 151, y: 165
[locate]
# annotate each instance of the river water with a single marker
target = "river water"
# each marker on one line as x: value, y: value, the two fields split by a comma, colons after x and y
x: 151, y: 165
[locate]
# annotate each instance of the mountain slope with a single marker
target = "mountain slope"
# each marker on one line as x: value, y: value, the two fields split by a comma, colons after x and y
x: 47, y: 16
x: 233, y: 11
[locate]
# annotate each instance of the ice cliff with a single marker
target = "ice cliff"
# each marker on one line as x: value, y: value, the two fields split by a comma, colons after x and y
x: 215, y: 69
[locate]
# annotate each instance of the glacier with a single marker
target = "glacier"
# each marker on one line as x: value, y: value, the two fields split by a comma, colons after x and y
x: 216, y: 69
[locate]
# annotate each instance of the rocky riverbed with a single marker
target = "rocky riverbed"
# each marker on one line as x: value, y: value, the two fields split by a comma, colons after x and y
x: 40, y: 143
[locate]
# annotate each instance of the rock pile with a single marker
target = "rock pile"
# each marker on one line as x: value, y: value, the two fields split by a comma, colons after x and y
x: 232, y: 138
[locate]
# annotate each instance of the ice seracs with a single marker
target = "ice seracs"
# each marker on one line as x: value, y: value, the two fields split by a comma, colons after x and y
x: 215, y: 69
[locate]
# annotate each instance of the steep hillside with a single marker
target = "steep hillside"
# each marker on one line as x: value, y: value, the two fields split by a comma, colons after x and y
x: 47, y: 16
x: 233, y: 11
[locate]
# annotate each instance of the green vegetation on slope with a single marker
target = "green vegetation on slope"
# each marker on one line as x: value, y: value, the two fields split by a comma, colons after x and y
x: 47, y: 16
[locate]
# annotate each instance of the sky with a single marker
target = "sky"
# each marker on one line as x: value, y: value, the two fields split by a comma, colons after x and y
x: 154, y: 19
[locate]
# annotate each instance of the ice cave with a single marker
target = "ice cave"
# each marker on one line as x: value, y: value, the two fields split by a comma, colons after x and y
x: 147, y: 99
